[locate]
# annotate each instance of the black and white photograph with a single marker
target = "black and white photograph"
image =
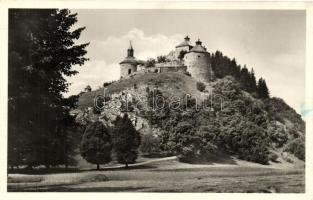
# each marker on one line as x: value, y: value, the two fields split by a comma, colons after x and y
x: 156, y: 100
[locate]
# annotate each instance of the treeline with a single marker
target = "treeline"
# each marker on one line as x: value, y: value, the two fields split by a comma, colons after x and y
x: 224, y: 66
x: 42, y: 51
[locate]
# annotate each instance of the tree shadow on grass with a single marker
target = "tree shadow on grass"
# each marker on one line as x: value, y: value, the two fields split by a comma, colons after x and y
x: 147, y: 166
x: 220, y: 158
x: 68, y: 188
x: 43, y: 171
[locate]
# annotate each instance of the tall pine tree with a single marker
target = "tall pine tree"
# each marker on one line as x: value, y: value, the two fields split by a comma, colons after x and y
x: 42, y: 51
x: 262, y: 90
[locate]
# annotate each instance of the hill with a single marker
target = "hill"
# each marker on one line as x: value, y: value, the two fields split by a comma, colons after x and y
x: 170, y: 83
x: 231, y: 121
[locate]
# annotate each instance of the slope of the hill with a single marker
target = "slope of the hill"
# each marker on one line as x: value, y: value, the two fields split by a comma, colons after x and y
x: 237, y: 123
x: 170, y: 84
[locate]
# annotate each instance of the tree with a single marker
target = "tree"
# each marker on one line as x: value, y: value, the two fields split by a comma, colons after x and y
x: 262, y: 90
x: 96, y: 144
x: 182, y: 54
x: 88, y: 88
x: 42, y: 51
x: 150, y: 144
x: 162, y: 59
x: 150, y: 62
x: 126, y: 140
x: 200, y: 86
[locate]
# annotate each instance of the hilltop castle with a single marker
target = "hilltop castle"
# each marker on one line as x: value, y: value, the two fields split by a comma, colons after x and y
x: 185, y: 58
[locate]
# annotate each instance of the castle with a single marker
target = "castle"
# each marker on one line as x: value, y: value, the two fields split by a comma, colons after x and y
x: 185, y: 58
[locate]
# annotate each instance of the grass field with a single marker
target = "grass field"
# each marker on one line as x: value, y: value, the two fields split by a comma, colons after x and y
x: 167, y: 175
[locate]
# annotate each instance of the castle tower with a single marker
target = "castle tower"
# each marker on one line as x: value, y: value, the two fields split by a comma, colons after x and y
x: 184, y: 46
x: 129, y: 64
x: 198, y: 63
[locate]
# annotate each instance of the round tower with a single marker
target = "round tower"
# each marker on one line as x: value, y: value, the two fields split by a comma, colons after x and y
x: 129, y: 64
x: 198, y: 63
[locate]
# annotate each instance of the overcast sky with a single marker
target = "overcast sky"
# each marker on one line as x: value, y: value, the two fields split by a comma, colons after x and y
x: 271, y: 42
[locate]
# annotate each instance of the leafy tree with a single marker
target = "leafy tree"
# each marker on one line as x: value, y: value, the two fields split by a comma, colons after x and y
x: 42, y: 51
x: 262, y: 90
x: 150, y: 62
x: 162, y: 59
x: 126, y: 140
x: 297, y: 147
x: 96, y: 144
x: 150, y: 144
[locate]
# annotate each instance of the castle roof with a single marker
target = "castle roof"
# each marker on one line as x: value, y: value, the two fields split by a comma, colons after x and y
x: 129, y: 60
x: 198, y: 48
x: 185, y: 43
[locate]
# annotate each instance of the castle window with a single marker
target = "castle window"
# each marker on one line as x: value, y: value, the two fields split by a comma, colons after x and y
x: 199, y: 56
x: 129, y: 71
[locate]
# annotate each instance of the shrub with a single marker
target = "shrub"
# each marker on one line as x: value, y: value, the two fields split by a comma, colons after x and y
x: 273, y: 157
x: 150, y: 144
x: 200, y: 86
x: 96, y: 144
x: 297, y: 147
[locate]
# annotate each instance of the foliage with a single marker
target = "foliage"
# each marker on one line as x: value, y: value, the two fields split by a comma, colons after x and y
x: 278, y: 135
x: 262, y: 90
x: 150, y: 144
x: 240, y: 128
x: 297, y: 147
x: 223, y: 66
x: 150, y: 62
x: 182, y: 54
x: 126, y: 140
x: 96, y: 144
x: 105, y: 84
x: 162, y: 59
x: 200, y: 86
x: 42, y: 51
x: 273, y: 157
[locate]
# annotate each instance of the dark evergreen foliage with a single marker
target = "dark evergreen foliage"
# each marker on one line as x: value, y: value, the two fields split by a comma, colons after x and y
x: 96, y: 144
x: 126, y: 140
x: 42, y: 51
x: 223, y: 66
x: 262, y: 90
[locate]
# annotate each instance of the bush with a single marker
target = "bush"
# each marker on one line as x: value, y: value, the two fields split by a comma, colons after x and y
x: 150, y: 144
x: 297, y: 148
x: 273, y: 157
x: 200, y: 86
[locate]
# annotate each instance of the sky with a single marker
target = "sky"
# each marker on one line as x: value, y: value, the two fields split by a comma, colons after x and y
x: 272, y: 42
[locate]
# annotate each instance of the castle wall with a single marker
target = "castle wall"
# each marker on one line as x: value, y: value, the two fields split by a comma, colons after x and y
x: 199, y: 66
x: 172, y: 69
x: 126, y: 68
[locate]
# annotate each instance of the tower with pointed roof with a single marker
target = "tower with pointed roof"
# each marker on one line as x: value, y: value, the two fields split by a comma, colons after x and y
x: 129, y: 64
x: 198, y: 63
x: 183, y: 46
